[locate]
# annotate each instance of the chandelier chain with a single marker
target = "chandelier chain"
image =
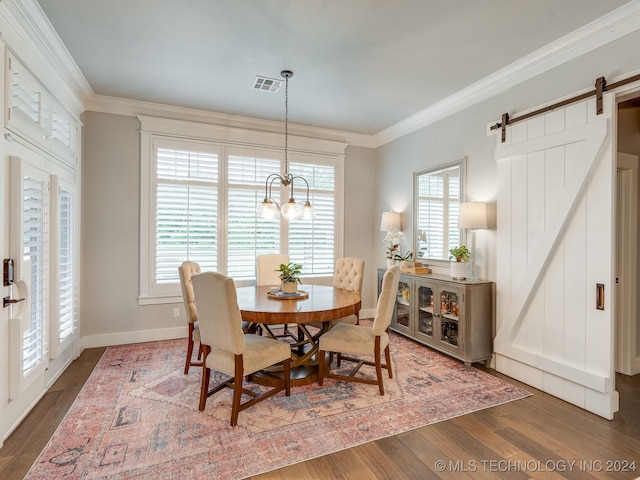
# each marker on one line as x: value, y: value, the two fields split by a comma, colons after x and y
x: 286, y: 123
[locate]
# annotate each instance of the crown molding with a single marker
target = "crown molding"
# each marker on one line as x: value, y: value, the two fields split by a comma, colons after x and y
x: 601, y: 31
x: 123, y: 106
x: 29, y: 34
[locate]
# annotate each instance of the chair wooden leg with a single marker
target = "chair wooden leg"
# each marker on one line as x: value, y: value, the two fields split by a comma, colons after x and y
x: 378, y: 361
x: 237, y: 390
x: 204, y: 388
x: 189, y: 349
x: 321, y: 367
x: 287, y: 377
x: 387, y: 358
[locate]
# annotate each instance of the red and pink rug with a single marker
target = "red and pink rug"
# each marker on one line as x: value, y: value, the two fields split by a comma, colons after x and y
x: 137, y: 416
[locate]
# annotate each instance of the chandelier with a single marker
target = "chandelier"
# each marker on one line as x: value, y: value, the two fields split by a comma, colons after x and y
x: 269, y: 208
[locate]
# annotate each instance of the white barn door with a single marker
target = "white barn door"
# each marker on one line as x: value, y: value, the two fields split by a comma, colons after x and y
x: 555, y: 244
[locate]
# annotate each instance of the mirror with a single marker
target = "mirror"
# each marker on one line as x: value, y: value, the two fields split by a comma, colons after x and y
x: 437, y: 194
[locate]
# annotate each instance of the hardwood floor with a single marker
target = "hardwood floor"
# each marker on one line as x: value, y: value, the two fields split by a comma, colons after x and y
x: 536, y: 437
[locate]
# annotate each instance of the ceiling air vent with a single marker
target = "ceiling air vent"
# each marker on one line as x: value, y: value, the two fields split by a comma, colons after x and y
x: 267, y: 84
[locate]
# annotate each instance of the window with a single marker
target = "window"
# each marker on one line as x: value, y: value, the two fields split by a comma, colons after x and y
x: 202, y: 207
x: 436, y: 207
x: 29, y: 325
x: 186, y: 207
x: 35, y: 116
x: 312, y: 243
x: 64, y: 244
x: 247, y: 234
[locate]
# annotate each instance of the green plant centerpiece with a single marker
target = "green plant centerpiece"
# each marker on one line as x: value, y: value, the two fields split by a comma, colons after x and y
x: 459, y: 257
x: 290, y: 276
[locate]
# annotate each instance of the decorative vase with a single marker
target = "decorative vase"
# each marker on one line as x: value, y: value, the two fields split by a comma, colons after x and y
x: 390, y: 262
x: 459, y: 270
x: 290, y: 287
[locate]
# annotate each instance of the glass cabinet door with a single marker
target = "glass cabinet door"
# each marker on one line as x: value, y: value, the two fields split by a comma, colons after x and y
x: 449, y: 321
x: 403, y: 306
x: 426, y: 311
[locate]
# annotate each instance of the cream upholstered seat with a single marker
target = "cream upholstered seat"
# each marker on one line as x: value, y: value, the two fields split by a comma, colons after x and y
x: 348, y: 275
x: 186, y: 271
x: 362, y: 340
x: 227, y: 349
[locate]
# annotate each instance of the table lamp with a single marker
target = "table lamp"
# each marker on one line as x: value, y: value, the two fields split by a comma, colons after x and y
x: 473, y: 215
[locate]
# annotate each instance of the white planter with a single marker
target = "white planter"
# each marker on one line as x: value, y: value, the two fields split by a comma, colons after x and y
x: 390, y: 262
x: 459, y: 270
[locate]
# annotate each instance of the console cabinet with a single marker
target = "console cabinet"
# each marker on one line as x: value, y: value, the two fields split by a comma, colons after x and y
x: 451, y: 316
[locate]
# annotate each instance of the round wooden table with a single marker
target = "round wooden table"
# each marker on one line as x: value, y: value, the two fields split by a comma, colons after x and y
x: 312, y: 315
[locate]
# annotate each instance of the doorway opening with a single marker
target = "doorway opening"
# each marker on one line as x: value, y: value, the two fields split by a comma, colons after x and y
x: 627, y: 325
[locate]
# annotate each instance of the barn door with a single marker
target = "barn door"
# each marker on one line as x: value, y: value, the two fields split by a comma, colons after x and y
x: 555, y: 249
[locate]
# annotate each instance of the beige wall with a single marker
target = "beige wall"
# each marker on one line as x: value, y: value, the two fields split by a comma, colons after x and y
x: 111, y: 230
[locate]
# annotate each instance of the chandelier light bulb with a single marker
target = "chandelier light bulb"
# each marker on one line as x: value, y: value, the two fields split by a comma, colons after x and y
x: 267, y: 210
x: 291, y: 210
x: 308, y: 212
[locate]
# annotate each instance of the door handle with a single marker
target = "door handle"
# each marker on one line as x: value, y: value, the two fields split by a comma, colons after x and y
x: 6, y: 301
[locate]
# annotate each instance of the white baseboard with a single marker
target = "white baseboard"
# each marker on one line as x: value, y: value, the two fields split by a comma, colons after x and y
x: 123, y: 338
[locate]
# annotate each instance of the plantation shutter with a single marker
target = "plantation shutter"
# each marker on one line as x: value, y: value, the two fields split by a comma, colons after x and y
x: 33, y: 347
x: 248, y: 235
x: 439, y: 198
x: 64, y: 302
x: 312, y: 242
x: 29, y: 322
x: 186, y: 210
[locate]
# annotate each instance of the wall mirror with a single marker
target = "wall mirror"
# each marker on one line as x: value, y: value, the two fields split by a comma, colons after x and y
x: 437, y: 194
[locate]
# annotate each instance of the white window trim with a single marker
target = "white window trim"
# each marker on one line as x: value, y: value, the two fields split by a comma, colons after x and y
x: 227, y: 137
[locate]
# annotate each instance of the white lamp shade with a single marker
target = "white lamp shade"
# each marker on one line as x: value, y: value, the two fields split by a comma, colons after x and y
x: 472, y: 215
x: 390, y: 221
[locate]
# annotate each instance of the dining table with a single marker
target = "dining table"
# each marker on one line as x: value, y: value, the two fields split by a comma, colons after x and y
x: 311, y: 309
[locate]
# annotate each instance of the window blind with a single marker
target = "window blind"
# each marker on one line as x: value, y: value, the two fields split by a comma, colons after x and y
x: 33, y: 345
x: 248, y: 235
x: 186, y: 211
x: 66, y: 265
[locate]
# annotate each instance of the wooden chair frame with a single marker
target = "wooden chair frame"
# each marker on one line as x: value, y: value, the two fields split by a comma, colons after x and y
x: 236, y: 384
x: 351, y: 377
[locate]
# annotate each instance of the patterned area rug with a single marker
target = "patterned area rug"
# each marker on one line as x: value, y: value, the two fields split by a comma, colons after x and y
x: 137, y: 416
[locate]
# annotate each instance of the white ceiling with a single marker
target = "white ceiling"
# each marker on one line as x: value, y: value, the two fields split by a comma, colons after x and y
x: 359, y: 65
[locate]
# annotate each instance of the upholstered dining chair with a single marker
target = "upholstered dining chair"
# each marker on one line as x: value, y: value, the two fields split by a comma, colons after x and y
x: 186, y: 271
x: 348, y: 275
x: 227, y: 349
x: 362, y: 340
x: 267, y: 265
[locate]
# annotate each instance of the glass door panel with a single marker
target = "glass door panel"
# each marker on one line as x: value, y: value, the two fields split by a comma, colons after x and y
x: 426, y: 311
x: 403, y: 304
x: 449, y: 304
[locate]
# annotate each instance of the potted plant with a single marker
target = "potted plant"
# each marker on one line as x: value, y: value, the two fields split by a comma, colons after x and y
x: 459, y: 257
x: 394, y: 238
x: 405, y: 260
x: 290, y: 276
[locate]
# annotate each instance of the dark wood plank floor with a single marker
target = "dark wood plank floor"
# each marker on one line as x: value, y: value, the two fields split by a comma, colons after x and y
x: 536, y: 437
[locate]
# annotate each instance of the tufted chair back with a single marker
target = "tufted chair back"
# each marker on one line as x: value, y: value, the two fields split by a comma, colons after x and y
x: 349, y: 274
